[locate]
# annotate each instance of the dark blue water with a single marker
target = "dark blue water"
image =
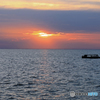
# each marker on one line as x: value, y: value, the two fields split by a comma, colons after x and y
x: 48, y: 74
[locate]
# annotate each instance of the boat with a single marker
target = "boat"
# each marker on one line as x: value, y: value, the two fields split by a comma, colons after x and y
x: 91, y: 56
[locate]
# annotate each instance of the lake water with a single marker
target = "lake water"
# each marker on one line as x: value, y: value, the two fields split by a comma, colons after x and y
x: 27, y: 74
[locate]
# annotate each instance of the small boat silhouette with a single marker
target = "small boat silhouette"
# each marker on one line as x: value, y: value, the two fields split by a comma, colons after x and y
x: 94, y: 56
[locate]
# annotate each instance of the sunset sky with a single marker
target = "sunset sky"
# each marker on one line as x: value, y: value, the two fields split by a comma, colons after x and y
x: 50, y: 24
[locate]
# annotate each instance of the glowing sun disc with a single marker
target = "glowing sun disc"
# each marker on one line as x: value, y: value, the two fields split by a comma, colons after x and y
x: 44, y: 34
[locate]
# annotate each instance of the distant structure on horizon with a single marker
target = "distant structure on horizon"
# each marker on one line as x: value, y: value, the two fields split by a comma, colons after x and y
x: 91, y: 56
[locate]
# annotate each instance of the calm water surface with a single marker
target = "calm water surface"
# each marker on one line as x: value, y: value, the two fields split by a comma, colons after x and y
x: 48, y: 74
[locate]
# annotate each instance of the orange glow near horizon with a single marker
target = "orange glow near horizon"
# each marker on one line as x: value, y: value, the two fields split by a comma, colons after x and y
x: 21, y: 33
x: 45, y: 39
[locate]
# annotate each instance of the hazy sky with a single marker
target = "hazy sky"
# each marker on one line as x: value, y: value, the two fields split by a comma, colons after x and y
x: 50, y: 24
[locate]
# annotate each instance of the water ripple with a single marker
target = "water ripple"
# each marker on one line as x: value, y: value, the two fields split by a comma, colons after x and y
x: 47, y: 74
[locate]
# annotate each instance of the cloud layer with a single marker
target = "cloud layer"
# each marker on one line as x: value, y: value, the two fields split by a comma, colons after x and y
x: 51, y: 4
x: 54, y: 21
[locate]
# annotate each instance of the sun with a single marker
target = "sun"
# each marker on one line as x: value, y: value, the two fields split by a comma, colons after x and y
x: 44, y: 34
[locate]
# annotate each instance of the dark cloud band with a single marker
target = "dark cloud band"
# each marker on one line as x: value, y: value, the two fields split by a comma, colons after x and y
x: 56, y: 21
